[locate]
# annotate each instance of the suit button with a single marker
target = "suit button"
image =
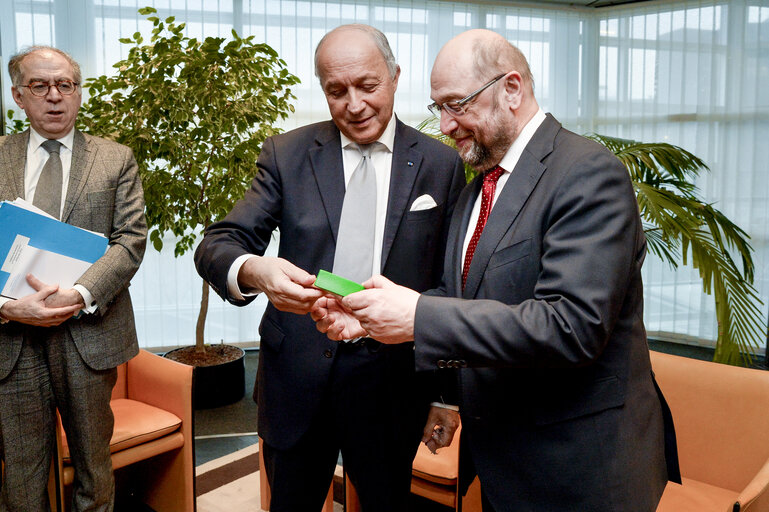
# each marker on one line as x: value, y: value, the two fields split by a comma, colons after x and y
x: 328, y: 353
x: 441, y: 363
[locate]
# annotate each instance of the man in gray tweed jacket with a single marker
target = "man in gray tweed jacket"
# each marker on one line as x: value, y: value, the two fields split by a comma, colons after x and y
x: 59, y: 348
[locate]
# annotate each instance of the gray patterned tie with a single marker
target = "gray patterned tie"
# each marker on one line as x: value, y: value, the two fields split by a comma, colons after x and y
x: 48, y: 191
x: 354, y: 254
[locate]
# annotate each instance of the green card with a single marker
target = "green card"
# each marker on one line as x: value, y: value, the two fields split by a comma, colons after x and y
x: 336, y: 284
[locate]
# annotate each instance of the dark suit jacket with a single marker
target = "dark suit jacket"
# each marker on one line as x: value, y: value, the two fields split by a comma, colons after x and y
x: 299, y: 190
x: 558, y: 403
x: 104, y: 195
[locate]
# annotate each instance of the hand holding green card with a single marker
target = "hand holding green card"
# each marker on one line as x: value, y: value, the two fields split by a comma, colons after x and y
x: 336, y: 284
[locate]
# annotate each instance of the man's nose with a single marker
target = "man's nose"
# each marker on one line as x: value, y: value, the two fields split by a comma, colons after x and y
x: 53, y: 94
x: 448, y: 122
x: 355, y: 104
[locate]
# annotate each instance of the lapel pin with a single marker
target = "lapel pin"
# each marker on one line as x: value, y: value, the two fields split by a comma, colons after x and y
x: 410, y: 163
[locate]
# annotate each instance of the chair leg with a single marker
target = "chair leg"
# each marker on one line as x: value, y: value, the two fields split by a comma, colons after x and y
x: 351, y: 500
x: 264, y: 485
x: 458, y: 502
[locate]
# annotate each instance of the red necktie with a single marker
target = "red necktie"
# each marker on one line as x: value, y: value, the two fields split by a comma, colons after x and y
x: 489, y: 186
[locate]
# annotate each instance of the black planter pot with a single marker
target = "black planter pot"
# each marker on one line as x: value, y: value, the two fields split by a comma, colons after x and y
x: 220, y: 384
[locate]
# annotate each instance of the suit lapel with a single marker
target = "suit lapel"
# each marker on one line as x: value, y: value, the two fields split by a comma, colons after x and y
x: 456, y: 236
x: 406, y: 163
x: 13, y: 162
x: 80, y: 167
x: 327, y: 166
x: 517, y: 190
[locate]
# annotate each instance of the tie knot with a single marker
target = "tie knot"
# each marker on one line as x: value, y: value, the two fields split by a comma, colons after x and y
x: 52, y: 146
x: 493, y: 174
x: 365, y: 149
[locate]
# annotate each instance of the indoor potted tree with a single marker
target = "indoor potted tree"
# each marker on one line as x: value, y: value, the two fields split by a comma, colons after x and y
x: 680, y: 227
x: 195, y: 113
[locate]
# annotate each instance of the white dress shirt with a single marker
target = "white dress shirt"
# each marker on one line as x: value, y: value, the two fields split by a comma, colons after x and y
x: 381, y: 157
x: 37, y: 156
x: 508, y: 163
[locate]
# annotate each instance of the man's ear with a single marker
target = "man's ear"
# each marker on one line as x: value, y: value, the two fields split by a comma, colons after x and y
x: 397, y: 76
x: 17, y: 97
x: 513, y: 84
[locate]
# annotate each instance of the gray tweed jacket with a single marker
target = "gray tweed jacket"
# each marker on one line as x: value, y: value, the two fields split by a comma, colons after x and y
x: 104, y: 195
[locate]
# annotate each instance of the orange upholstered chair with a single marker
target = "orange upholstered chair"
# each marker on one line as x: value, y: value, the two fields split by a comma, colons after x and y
x: 434, y: 476
x: 152, y: 444
x: 721, y: 415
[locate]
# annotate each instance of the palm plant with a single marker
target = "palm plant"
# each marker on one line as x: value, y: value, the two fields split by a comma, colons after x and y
x: 681, y: 228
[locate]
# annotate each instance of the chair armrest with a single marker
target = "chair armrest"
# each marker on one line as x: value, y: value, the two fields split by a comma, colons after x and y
x: 161, y: 382
x: 755, y: 496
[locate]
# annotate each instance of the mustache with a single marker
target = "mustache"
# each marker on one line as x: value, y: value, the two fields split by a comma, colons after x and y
x: 459, y: 133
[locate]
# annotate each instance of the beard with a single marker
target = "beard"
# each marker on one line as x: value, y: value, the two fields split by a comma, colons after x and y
x: 488, y: 143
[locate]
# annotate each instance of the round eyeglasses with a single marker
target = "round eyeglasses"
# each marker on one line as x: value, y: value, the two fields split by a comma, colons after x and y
x: 457, y: 108
x: 39, y: 88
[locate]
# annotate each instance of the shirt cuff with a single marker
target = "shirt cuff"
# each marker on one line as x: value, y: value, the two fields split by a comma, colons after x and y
x: 3, y: 300
x: 445, y: 406
x: 90, y: 305
x: 233, y: 288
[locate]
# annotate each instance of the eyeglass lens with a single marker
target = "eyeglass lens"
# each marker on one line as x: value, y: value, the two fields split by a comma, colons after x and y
x: 64, y: 87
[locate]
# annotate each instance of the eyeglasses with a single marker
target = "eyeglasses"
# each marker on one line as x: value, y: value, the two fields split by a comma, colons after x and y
x: 457, y: 108
x: 65, y: 87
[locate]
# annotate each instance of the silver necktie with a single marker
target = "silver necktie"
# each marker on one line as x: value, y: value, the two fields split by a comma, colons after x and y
x: 354, y: 256
x: 48, y: 191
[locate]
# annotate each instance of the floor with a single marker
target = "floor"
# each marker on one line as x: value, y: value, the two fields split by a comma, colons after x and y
x: 226, y: 429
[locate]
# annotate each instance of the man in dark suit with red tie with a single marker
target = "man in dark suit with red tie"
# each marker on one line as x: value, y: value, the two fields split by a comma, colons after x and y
x: 541, y: 305
x: 359, y: 195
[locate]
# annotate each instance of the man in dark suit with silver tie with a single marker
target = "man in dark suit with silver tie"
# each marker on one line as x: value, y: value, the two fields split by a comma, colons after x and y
x: 48, y: 359
x: 541, y: 305
x: 359, y: 195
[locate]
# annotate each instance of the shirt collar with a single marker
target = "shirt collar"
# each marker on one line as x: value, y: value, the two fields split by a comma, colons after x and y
x: 510, y: 160
x: 35, y: 139
x: 387, y: 139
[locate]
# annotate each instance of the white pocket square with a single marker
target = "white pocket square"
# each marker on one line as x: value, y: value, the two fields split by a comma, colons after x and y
x: 424, y: 202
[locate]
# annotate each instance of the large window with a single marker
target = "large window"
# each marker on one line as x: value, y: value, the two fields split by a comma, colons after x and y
x: 689, y: 73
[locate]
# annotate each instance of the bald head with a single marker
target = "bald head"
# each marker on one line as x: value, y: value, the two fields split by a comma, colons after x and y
x: 490, y: 55
x: 350, y: 33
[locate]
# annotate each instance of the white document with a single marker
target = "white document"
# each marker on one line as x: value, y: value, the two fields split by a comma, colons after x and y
x: 49, y: 267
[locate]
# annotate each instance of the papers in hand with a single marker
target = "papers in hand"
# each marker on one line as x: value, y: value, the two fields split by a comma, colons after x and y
x: 33, y: 242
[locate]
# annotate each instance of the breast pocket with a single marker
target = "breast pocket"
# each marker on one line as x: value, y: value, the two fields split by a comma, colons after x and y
x: 429, y: 215
x: 510, y: 254
x: 511, y: 273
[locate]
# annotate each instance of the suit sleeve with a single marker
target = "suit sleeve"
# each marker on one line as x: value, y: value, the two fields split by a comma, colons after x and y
x: 590, y: 250
x: 111, y: 273
x: 246, y: 229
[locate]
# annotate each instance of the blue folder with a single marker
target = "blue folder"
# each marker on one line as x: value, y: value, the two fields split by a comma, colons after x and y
x: 47, y: 234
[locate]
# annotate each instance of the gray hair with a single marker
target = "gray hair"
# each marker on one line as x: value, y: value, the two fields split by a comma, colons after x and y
x: 500, y: 57
x: 14, y: 65
x: 376, y: 35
